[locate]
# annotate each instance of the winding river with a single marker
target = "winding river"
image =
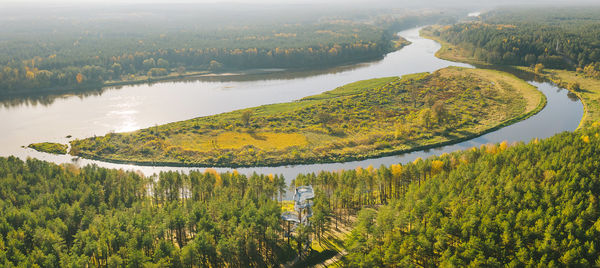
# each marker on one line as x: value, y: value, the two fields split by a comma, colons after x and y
x: 139, y: 106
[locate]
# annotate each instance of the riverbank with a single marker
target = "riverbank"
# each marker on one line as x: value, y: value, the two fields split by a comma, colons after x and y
x: 145, y: 106
x: 174, y: 75
x: 587, y: 89
x: 449, y: 51
x: 366, y: 119
x: 49, y: 147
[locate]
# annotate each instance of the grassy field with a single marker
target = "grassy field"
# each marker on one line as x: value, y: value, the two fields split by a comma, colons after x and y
x: 360, y: 120
x: 50, y: 147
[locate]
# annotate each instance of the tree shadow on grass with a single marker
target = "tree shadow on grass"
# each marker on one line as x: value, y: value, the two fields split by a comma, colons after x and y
x: 464, y: 133
x: 257, y: 136
x: 449, y: 134
x: 330, y: 250
x: 411, y: 143
x: 316, y: 257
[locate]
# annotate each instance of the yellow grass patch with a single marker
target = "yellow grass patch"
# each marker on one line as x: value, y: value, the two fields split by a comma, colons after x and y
x: 237, y: 140
x: 262, y: 140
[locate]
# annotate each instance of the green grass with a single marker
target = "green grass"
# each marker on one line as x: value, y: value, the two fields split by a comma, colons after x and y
x: 49, y: 147
x: 588, y: 92
x: 360, y: 120
x: 352, y: 88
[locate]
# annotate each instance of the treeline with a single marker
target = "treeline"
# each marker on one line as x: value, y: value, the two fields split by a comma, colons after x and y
x: 57, y: 49
x: 496, y: 205
x: 90, y: 59
x: 523, y: 205
x: 63, y: 216
x: 556, y: 38
x: 519, y: 205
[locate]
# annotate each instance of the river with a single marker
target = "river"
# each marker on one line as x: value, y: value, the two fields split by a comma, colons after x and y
x: 139, y: 106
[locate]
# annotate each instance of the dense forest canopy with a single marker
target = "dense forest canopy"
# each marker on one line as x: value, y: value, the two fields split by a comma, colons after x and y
x: 497, y: 204
x: 561, y: 38
x: 93, y: 58
x: 63, y: 216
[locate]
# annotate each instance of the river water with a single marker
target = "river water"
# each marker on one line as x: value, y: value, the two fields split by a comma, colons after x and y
x: 128, y: 108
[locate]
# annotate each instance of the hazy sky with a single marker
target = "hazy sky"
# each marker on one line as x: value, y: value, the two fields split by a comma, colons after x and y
x: 324, y: 5
x: 497, y: 2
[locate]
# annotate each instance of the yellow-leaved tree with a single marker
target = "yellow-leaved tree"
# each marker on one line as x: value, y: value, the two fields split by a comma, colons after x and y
x: 79, y: 78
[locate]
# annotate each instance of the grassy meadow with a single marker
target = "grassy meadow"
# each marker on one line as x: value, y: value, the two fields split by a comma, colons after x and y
x: 49, y: 147
x: 360, y: 120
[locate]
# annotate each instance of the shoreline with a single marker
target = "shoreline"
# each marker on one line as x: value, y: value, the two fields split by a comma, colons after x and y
x: 558, y: 77
x: 341, y: 159
x: 541, y: 104
x: 197, y: 76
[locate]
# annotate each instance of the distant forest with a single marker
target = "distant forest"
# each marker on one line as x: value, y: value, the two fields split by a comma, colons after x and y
x: 70, y: 52
x: 556, y: 38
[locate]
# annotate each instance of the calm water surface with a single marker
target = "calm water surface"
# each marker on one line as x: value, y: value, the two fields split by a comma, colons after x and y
x: 140, y: 106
